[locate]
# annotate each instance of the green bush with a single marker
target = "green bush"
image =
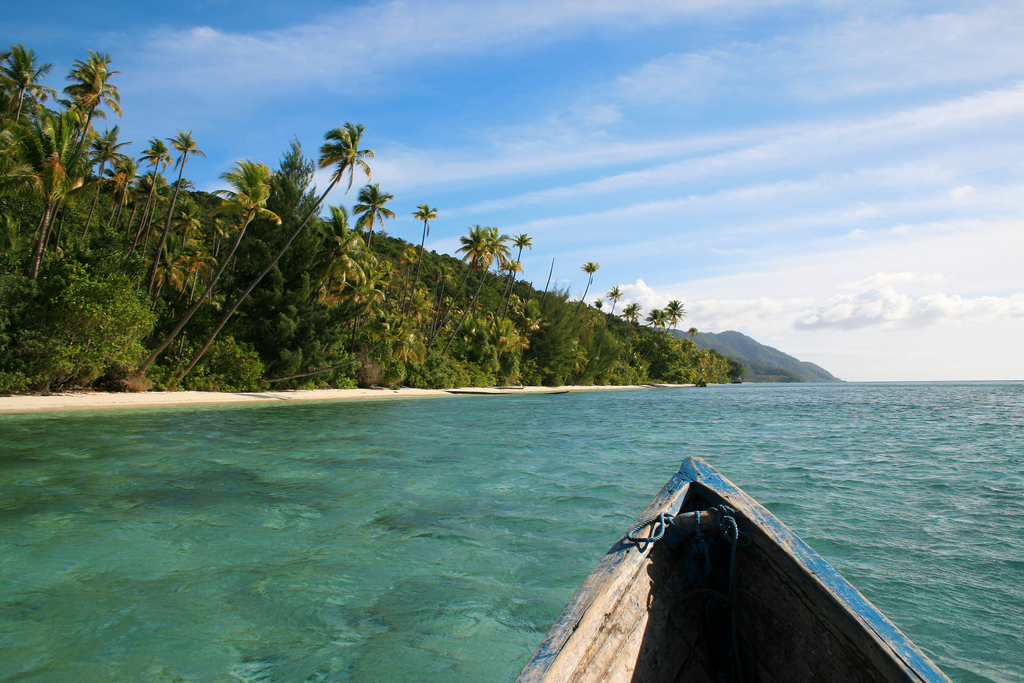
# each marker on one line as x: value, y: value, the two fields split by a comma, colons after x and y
x: 227, y: 366
x: 76, y: 327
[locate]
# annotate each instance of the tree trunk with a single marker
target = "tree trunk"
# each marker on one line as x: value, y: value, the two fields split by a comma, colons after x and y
x: 444, y: 318
x: 419, y: 263
x: 44, y: 234
x: 465, y: 313
x: 167, y: 225
x: 95, y: 199
x: 252, y: 285
x: 195, y: 307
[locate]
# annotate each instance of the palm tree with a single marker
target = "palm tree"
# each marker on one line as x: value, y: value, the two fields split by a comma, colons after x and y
x: 589, y: 268
x: 632, y: 313
x: 198, y: 262
x: 658, y: 319
x: 147, y: 184
x: 92, y: 88
x: 122, y: 177
x: 341, y: 150
x: 481, y: 248
x: 173, y: 270
x: 674, y: 312
x: 158, y: 156
x: 520, y: 241
x: 614, y: 294
x: 188, y: 217
x: 371, y: 209
x: 425, y: 213
x: 340, y: 262
x: 511, y: 267
x: 186, y: 147
x: 53, y: 164
x: 250, y: 183
x: 105, y: 149
x: 20, y: 73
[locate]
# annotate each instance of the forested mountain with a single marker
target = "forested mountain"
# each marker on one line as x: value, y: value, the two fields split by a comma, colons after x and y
x: 761, y: 363
x: 116, y: 273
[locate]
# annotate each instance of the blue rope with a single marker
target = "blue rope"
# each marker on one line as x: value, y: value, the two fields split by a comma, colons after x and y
x: 660, y: 523
x: 730, y: 532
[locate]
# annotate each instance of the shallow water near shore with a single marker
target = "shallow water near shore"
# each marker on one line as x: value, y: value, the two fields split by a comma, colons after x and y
x: 437, y: 539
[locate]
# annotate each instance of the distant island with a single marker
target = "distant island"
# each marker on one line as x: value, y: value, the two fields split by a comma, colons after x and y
x: 760, y: 363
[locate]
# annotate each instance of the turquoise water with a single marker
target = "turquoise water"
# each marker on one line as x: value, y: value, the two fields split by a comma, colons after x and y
x: 437, y: 539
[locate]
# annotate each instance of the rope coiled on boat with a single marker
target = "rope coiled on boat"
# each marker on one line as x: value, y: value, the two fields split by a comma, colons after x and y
x: 660, y: 523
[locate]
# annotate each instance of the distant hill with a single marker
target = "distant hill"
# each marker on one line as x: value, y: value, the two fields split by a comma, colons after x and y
x: 761, y: 363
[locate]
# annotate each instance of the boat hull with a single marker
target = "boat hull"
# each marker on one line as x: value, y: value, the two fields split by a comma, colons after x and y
x: 657, y: 615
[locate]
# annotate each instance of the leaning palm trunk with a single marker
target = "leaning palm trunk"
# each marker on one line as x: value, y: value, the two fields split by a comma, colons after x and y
x: 167, y: 225
x: 444, y: 318
x: 252, y: 285
x: 95, y: 199
x: 419, y: 263
x: 465, y: 313
x: 195, y: 307
x: 43, y: 232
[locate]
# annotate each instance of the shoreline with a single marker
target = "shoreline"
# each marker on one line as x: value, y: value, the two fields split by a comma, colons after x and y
x: 73, y: 401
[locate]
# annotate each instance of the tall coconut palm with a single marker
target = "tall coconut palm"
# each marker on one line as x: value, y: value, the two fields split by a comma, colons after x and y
x: 122, y: 176
x: 341, y: 150
x: 21, y: 74
x: 340, y: 263
x: 614, y: 294
x: 425, y: 213
x: 589, y: 268
x: 482, y: 248
x: 53, y: 164
x: 511, y: 267
x: 657, y: 319
x: 520, y: 241
x: 158, y: 156
x: 250, y: 183
x: 371, y: 209
x: 674, y: 312
x: 148, y: 184
x: 173, y: 270
x: 471, y: 245
x: 186, y: 147
x: 104, y: 150
x: 91, y: 88
x: 632, y: 313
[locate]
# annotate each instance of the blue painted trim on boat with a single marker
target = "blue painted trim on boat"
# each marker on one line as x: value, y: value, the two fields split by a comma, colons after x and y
x: 703, y: 475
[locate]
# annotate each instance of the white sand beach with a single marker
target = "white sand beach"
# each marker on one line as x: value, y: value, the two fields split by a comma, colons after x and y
x: 101, y: 400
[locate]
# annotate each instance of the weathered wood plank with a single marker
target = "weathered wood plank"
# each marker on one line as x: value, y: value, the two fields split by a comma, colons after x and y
x: 582, y: 617
x: 855, y: 615
x: 636, y: 617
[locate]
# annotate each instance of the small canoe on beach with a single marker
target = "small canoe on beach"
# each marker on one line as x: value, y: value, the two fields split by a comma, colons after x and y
x: 725, y: 593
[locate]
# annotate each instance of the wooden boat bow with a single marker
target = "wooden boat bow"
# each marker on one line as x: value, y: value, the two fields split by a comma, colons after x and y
x: 641, y: 615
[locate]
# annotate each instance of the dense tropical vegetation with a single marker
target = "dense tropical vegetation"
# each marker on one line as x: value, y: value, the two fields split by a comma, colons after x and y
x: 116, y: 275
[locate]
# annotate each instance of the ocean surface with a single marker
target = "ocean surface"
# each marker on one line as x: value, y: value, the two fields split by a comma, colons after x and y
x: 437, y: 539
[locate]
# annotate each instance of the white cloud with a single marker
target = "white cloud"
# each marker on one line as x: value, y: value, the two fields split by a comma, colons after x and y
x: 341, y: 49
x: 671, y: 77
x: 881, y: 279
x: 886, y: 308
x: 868, y: 54
x: 963, y: 194
x: 642, y: 293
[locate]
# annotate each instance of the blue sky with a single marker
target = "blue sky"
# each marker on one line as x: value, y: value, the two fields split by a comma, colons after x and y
x: 841, y: 180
